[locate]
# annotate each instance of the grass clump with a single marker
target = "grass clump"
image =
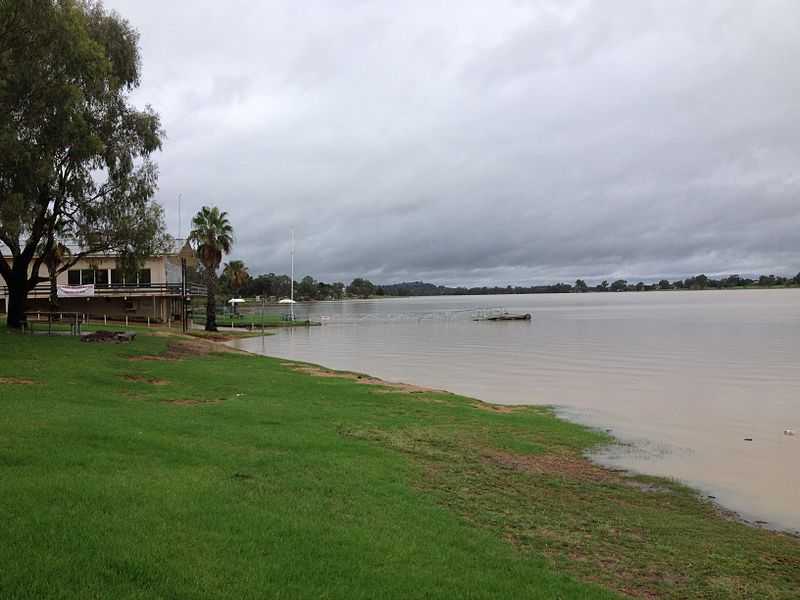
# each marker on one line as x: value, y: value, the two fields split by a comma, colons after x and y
x: 166, y: 468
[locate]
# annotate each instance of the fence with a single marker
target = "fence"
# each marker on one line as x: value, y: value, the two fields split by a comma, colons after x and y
x: 120, y: 289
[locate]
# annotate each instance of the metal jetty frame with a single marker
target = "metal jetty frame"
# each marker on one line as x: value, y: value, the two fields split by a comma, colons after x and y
x: 470, y: 314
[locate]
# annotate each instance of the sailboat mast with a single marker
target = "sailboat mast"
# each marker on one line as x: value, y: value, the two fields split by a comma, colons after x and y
x: 291, y: 293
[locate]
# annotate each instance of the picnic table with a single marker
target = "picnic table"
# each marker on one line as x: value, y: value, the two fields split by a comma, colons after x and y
x: 73, y: 319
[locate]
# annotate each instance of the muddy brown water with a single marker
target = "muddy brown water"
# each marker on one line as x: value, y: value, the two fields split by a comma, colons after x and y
x: 685, y: 378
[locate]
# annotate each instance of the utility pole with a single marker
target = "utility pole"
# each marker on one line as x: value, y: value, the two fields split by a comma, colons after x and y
x: 179, y: 216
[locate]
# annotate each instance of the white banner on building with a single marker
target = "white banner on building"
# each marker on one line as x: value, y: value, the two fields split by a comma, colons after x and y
x: 75, y: 291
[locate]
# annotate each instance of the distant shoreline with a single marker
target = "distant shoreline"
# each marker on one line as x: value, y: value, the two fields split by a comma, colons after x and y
x: 590, y: 291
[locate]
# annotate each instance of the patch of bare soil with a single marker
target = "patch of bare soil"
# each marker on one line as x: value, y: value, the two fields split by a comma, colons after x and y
x: 214, y: 336
x: 146, y: 380
x: 561, y: 464
x: 367, y: 379
x: 571, y: 466
x: 188, y: 346
x: 626, y: 584
x: 12, y: 379
x: 192, y: 402
x: 498, y: 408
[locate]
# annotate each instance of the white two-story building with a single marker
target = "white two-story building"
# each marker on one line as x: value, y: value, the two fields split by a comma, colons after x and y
x: 96, y: 287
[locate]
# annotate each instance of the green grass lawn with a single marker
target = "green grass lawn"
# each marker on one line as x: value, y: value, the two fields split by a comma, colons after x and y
x: 196, y: 475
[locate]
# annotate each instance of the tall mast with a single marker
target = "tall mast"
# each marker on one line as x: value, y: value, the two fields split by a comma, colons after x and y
x: 291, y: 286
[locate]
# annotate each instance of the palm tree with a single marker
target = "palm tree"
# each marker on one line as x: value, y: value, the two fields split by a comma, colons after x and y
x: 236, y: 272
x: 212, y: 235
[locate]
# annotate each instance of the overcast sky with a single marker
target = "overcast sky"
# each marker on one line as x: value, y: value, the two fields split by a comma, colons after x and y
x: 464, y: 142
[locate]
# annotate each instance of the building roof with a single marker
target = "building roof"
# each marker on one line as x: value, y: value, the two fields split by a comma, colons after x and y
x: 179, y: 248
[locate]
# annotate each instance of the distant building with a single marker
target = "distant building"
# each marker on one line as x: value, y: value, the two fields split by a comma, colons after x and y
x: 96, y: 287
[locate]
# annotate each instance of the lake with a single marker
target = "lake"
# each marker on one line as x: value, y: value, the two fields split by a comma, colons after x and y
x: 685, y: 378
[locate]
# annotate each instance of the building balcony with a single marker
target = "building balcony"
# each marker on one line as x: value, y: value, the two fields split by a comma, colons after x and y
x: 123, y: 290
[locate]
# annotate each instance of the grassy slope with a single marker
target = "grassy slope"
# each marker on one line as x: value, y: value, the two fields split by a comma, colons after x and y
x: 281, y: 484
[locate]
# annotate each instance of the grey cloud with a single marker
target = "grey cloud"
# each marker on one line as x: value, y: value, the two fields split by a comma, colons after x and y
x: 484, y: 143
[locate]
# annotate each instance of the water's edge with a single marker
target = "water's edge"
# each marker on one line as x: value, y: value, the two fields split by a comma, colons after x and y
x: 605, y: 455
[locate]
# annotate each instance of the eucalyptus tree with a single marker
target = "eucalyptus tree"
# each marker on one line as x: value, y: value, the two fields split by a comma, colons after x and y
x: 212, y: 236
x: 307, y: 289
x: 361, y: 287
x: 74, y: 153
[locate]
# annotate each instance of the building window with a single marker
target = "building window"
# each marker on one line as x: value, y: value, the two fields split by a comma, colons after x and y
x: 101, y: 278
x: 144, y: 276
x: 116, y: 277
x: 73, y: 277
x: 87, y: 276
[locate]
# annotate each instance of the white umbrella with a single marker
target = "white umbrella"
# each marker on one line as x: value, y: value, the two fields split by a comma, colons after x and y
x: 236, y: 300
x: 286, y: 301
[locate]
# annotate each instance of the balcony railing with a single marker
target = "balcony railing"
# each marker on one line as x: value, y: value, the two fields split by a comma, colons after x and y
x: 123, y: 289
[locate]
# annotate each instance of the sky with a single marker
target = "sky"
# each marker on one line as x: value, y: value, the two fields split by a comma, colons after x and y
x: 482, y: 143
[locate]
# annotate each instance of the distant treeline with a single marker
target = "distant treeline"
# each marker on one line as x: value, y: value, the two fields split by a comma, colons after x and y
x: 698, y: 282
x: 272, y: 286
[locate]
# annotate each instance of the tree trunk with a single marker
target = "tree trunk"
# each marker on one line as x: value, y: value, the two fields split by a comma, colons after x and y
x: 211, y: 307
x: 53, y: 292
x: 17, y: 300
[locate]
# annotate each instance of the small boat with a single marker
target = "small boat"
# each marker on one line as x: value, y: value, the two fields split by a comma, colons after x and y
x: 510, y: 317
